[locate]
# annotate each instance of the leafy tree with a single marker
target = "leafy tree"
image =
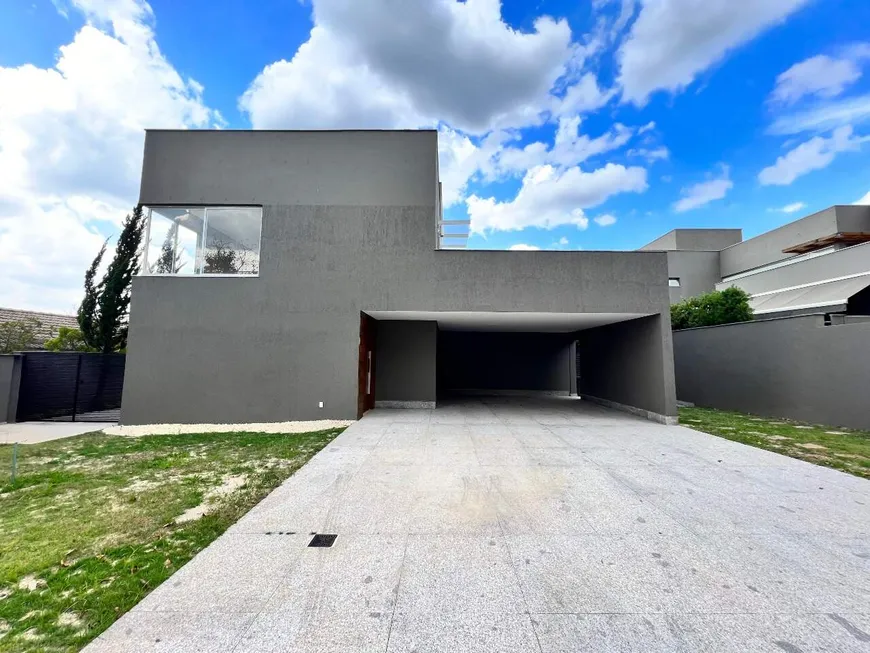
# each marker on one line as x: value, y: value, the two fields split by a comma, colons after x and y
x: 712, y: 308
x: 103, y: 312
x: 67, y: 339
x: 168, y: 262
x: 222, y: 258
x: 18, y: 335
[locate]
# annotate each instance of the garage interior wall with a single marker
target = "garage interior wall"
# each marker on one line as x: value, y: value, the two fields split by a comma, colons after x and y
x: 625, y: 363
x: 405, y: 357
x: 470, y: 360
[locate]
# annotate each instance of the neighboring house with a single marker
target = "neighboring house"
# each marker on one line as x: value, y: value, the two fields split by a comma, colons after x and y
x: 49, y: 323
x: 818, y: 264
x: 305, y: 275
x: 806, y: 355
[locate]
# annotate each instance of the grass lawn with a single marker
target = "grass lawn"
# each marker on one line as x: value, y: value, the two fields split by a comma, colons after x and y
x: 840, y: 448
x: 91, y: 524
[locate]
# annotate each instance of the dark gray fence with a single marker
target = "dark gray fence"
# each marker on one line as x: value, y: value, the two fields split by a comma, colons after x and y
x: 793, y: 367
x: 70, y: 387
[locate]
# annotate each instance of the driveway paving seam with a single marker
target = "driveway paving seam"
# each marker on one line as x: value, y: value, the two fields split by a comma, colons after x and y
x: 513, y: 565
x: 396, y: 596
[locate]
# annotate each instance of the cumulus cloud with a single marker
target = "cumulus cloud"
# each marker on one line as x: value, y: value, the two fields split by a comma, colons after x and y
x: 605, y: 220
x: 864, y: 201
x: 814, y: 154
x: 523, y: 247
x: 701, y: 194
x: 550, y: 197
x: 494, y: 158
x: 325, y: 86
x: 457, y: 65
x: 820, y: 76
x: 440, y: 60
x: 71, y: 140
x: 673, y: 41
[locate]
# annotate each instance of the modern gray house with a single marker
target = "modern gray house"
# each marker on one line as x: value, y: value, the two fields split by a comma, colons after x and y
x: 294, y: 275
x: 818, y: 264
x: 806, y: 355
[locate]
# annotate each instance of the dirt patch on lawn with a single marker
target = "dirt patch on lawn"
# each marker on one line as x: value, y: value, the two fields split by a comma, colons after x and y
x: 31, y: 583
x: 811, y: 446
x: 228, y: 485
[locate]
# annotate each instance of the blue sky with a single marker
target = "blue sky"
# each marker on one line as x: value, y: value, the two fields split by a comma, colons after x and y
x: 563, y: 124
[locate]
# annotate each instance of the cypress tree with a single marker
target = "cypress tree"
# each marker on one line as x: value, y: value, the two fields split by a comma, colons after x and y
x: 104, y: 309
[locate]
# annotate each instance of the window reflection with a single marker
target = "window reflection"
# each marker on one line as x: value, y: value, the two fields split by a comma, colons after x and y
x: 203, y: 240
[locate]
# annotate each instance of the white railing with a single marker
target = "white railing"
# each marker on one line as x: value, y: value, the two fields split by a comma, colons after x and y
x: 453, y: 234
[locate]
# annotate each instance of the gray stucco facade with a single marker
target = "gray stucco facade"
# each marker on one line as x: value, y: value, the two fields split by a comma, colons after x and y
x: 349, y: 226
x: 794, y: 367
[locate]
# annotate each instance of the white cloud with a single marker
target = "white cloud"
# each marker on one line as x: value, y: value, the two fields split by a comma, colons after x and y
x: 814, y: 154
x: 522, y: 247
x: 550, y: 197
x: 650, y: 154
x: 583, y: 96
x: 701, y: 194
x: 458, y: 160
x: 324, y: 86
x: 823, y: 116
x: 570, y: 147
x: 453, y: 64
x: 864, y: 201
x: 605, y: 220
x: 821, y: 76
x: 794, y: 207
x: 673, y: 41
x: 563, y: 241
x: 441, y: 60
x: 493, y: 158
x: 71, y: 148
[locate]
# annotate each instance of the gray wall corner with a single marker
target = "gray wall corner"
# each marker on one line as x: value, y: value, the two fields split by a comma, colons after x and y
x: 10, y: 382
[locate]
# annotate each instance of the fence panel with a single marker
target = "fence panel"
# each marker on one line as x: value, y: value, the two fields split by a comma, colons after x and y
x: 66, y: 386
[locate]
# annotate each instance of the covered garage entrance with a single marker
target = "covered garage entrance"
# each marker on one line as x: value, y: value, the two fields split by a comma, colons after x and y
x: 622, y: 360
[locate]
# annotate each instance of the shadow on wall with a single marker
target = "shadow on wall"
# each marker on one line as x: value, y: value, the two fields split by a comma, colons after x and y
x: 535, y: 362
x: 626, y: 363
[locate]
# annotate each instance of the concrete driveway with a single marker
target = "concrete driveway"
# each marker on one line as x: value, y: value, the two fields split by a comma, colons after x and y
x: 36, y: 432
x: 529, y: 525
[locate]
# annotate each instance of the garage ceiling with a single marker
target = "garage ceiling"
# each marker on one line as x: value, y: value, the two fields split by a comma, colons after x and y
x: 508, y: 321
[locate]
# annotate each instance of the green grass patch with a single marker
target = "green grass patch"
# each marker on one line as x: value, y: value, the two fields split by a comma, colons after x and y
x: 89, y: 527
x: 844, y: 449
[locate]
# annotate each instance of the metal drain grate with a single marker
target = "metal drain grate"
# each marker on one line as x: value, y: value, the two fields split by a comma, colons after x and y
x: 322, y: 539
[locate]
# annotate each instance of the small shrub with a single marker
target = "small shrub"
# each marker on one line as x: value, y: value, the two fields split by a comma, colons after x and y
x: 18, y: 335
x: 712, y: 308
x: 67, y: 339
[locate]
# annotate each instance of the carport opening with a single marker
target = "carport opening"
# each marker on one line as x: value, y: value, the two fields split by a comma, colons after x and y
x: 422, y: 357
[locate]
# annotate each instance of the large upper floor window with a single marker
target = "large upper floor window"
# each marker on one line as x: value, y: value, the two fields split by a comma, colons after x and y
x: 217, y: 240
